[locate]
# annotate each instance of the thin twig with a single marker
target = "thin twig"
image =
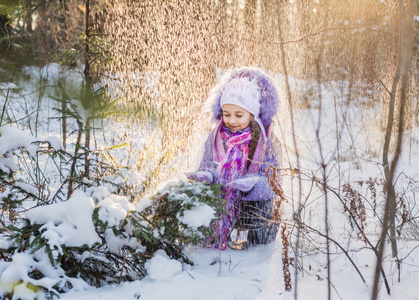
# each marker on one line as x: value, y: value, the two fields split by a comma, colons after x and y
x: 343, y: 250
x: 123, y: 263
x: 289, y: 98
x: 319, y: 32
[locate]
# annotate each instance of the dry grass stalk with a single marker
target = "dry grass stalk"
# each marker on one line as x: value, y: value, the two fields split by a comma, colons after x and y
x: 274, y: 181
x: 354, y: 205
x: 286, y: 260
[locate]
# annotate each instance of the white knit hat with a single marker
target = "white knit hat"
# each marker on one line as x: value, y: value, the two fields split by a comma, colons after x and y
x: 244, y: 92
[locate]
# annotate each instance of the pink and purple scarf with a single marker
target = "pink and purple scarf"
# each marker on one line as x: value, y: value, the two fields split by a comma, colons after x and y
x: 233, y: 166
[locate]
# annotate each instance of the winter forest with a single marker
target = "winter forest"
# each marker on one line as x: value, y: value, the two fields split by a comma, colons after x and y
x: 104, y: 109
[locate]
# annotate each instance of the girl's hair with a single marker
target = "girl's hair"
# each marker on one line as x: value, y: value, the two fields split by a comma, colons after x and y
x: 255, y: 132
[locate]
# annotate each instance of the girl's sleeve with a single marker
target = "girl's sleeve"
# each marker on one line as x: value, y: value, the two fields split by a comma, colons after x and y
x: 207, y: 163
x: 262, y: 190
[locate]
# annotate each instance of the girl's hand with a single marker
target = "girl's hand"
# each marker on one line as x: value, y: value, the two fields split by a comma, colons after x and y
x: 201, y: 176
x: 244, y: 184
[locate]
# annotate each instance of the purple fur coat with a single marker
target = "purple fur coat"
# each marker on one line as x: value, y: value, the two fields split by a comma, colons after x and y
x: 267, y: 153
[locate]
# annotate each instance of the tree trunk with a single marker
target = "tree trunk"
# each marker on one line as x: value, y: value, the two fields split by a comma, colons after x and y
x: 387, y: 139
x: 87, y: 97
x: 28, y: 16
x: 404, y: 63
x: 42, y: 26
x: 74, y: 163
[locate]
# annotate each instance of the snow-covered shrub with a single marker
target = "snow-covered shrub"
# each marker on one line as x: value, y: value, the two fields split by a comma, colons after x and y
x: 98, y: 238
x: 180, y: 213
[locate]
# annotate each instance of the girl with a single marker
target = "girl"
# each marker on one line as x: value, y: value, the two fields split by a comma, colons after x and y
x: 238, y: 152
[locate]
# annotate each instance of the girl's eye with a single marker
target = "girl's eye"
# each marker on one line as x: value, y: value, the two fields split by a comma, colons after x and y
x: 239, y: 116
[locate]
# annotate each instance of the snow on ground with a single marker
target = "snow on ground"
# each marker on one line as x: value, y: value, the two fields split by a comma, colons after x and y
x: 252, y: 274
x: 230, y: 274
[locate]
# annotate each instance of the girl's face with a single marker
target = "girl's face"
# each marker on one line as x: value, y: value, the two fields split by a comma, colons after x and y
x: 235, y: 117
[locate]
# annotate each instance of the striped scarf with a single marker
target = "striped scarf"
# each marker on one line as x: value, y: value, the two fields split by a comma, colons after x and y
x: 233, y: 166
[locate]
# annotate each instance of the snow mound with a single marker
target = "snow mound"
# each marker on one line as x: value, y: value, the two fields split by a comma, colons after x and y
x: 160, y: 267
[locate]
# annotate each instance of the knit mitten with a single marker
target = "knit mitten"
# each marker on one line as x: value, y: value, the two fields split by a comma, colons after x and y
x: 201, y: 176
x: 244, y: 184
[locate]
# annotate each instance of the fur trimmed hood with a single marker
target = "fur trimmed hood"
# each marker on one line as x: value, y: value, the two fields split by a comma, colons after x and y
x: 269, y: 94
